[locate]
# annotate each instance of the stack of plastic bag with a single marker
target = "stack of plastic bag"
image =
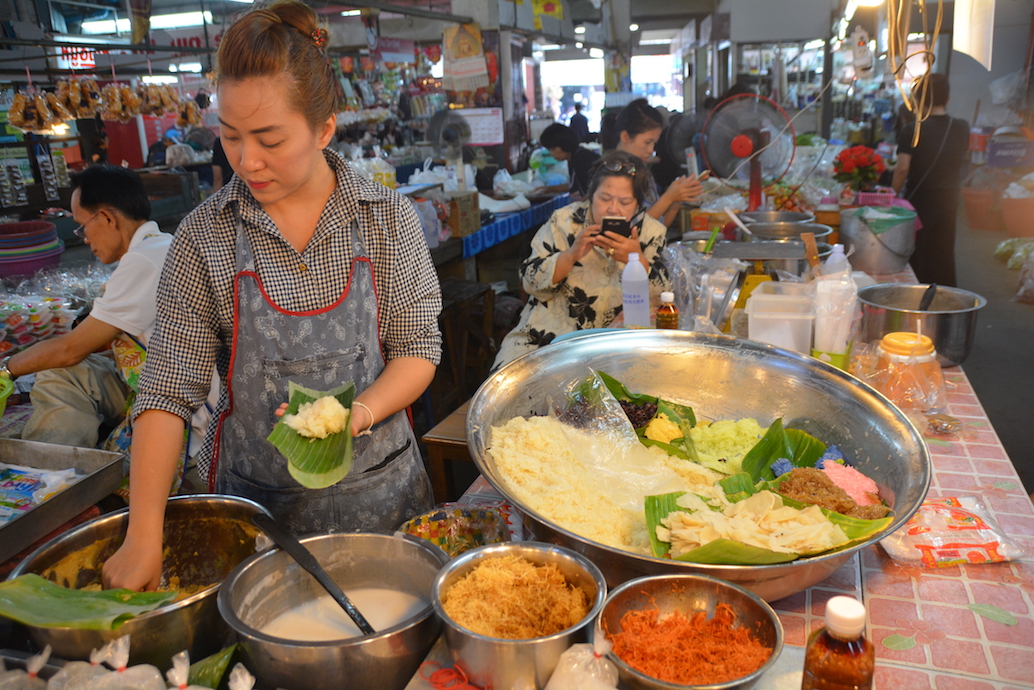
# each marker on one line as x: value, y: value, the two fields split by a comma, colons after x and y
x: 126, y: 677
x: 76, y: 675
x: 28, y: 679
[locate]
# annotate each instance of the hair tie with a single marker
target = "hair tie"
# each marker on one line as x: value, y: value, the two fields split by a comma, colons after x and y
x: 319, y: 37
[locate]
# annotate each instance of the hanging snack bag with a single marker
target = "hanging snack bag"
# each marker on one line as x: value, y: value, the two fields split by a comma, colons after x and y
x: 952, y: 531
x: 240, y: 679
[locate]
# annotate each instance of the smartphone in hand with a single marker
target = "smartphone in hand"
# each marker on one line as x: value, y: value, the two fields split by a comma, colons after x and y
x: 616, y: 224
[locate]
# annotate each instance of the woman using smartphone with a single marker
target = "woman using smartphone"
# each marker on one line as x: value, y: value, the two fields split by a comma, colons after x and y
x: 573, y: 276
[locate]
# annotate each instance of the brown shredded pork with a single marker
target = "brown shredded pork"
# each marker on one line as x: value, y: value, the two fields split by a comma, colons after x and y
x: 813, y: 486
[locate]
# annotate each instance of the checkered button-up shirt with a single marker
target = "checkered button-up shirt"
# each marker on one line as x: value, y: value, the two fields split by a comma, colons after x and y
x: 194, y: 329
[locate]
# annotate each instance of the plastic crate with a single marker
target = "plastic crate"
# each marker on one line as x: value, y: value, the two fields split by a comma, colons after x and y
x: 883, y: 197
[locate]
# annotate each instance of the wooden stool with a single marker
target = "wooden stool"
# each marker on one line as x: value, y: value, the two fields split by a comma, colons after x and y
x: 447, y: 442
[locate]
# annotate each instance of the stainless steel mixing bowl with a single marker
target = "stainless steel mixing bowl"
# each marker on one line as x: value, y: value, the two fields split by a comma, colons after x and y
x: 206, y: 536
x: 268, y: 584
x: 951, y: 320
x: 776, y: 216
x: 491, y: 662
x: 721, y: 378
x: 690, y: 594
x: 783, y: 232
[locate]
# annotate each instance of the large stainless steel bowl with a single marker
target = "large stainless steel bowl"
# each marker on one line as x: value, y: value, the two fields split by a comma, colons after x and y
x: 951, y: 320
x: 492, y: 662
x: 206, y: 536
x: 691, y: 594
x: 721, y: 378
x: 783, y: 232
x: 268, y: 584
x: 776, y: 216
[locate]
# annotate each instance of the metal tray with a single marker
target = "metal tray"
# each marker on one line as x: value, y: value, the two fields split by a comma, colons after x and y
x: 101, y: 473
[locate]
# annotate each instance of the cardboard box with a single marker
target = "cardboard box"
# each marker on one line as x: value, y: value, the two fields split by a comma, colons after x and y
x: 464, y: 213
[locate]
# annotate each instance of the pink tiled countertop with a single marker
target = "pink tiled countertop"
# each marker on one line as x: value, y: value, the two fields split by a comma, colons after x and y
x: 966, y: 627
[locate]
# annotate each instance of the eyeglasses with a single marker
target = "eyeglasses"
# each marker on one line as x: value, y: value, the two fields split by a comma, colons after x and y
x: 80, y: 231
x: 619, y: 167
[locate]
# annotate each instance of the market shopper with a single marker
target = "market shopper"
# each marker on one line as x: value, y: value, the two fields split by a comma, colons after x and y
x: 573, y: 275
x: 297, y: 270
x: 579, y: 124
x: 563, y: 145
x: 928, y: 175
x: 85, y: 377
x: 636, y: 130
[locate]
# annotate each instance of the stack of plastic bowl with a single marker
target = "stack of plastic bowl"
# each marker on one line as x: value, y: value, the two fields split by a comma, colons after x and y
x: 28, y: 247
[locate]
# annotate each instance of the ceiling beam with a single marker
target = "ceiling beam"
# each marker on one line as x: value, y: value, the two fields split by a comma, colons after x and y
x: 398, y: 9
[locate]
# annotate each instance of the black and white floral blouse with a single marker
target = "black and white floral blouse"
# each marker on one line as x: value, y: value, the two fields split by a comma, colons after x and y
x: 590, y: 296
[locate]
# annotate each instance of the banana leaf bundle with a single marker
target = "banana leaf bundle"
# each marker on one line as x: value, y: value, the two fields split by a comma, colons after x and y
x: 315, y: 463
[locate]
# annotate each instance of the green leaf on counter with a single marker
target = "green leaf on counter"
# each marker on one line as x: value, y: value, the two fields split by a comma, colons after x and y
x: 315, y: 463
x: 898, y: 642
x: 994, y: 613
x: 1005, y: 486
x: 657, y: 508
x: 619, y: 391
x: 666, y: 447
x: 34, y: 600
x: 728, y: 552
x: 209, y: 671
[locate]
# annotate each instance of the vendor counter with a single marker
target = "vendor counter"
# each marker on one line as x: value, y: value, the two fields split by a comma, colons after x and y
x: 967, y: 627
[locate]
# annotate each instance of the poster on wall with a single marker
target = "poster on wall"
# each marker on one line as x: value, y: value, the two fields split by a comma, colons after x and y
x: 465, y: 66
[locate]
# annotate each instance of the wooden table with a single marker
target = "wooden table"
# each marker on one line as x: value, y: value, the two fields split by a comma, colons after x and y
x: 447, y: 443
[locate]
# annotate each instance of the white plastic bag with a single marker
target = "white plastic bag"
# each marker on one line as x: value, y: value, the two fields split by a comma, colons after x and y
x: 125, y: 677
x: 585, y: 667
x: 179, y: 673
x: 27, y: 680
x: 76, y: 675
x: 240, y: 679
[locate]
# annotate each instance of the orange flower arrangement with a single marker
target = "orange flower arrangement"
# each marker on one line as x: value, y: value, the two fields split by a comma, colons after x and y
x: 859, y: 167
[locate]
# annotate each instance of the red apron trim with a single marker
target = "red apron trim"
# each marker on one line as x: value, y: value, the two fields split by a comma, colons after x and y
x: 351, y: 275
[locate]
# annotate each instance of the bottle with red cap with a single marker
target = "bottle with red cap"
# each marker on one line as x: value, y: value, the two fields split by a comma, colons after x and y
x: 838, y: 655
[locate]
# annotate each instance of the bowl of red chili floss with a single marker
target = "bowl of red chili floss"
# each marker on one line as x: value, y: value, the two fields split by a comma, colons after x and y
x: 689, y: 631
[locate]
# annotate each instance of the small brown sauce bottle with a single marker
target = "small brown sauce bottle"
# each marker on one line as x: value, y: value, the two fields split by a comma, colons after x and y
x: 667, y: 313
x: 838, y: 656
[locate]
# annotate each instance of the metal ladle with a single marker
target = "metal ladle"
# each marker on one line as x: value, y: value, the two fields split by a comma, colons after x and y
x: 928, y: 296
x: 296, y: 550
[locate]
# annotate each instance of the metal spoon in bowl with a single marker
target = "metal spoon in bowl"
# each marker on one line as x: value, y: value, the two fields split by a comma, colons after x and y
x: 928, y: 296
x: 296, y: 550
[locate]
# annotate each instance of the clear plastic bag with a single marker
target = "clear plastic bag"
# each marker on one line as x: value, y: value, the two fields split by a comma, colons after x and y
x: 180, y: 672
x: 76, y: 675
x: 27, y: 679
x: 125, y: 677
x: 915, y: 384
x: 585, y: 667
x: 1026, y: 292
x: 953, y: 531
x: 240, y: 679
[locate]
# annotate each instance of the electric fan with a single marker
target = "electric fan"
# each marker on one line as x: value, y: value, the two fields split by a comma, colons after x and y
x: 748, y: 128
x: 448, y: 133
x: 685, y: 131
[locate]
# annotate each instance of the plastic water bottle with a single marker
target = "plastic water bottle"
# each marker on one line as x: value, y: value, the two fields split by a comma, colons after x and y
x: 635, y: 294
x: 836, y: 261
x: 838, y: 656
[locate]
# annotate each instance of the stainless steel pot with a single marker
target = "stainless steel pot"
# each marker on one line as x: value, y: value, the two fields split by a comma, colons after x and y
x: 951, y: 320
x: 691, y: 594
x: 492, y: 662
x: 721, y: 378
x: 206, y: 536
x: 268, y: 584
x: 777, y: 217
x: 783, y: 232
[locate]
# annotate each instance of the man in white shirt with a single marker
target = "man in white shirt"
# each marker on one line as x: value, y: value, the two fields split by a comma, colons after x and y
x: 79, y: 389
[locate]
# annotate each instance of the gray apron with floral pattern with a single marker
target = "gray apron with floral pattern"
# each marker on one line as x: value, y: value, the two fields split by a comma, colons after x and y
x: 318, y: 349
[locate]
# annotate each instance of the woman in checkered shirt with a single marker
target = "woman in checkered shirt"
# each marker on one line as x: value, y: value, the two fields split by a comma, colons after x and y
x: 296, y: 270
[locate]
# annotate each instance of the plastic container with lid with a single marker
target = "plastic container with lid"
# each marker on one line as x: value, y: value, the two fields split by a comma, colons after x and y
x: 667, y: 312
x: 838, y: 655
x: 782, y: 320
x: 908, y: 373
